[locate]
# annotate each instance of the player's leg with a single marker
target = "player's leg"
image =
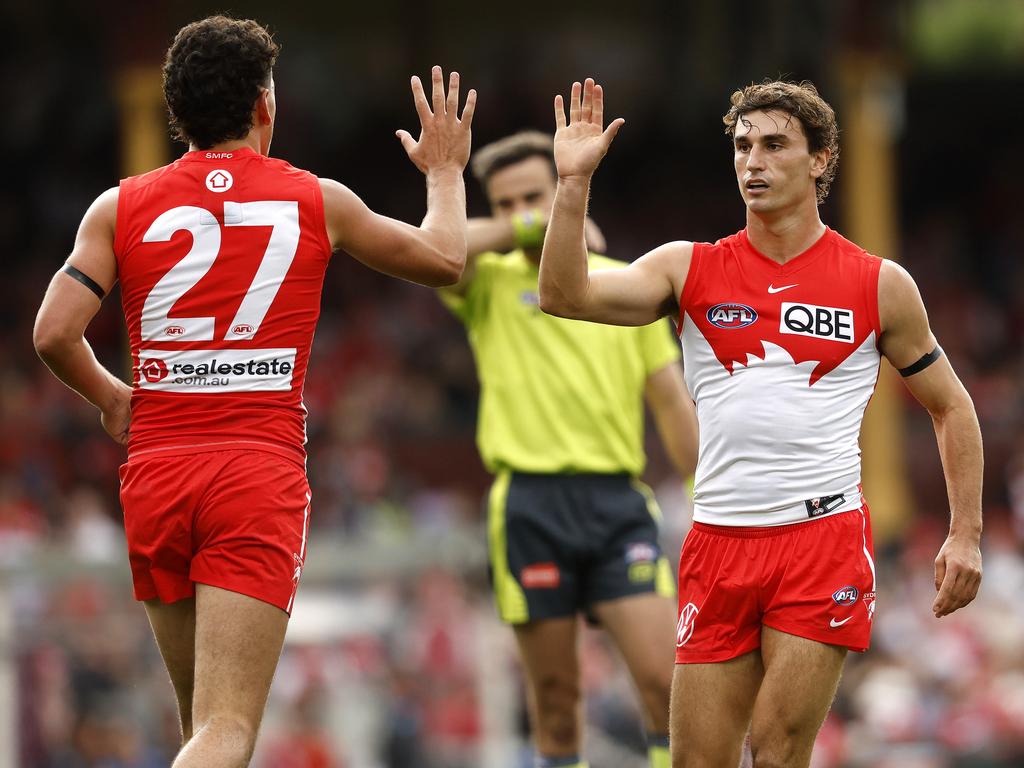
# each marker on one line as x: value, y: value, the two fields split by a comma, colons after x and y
x: 800, y: 681
x: 643, y: 628
x: 711, y: 711
x: 238, y: 643
x: 174, y: 626
x: 548, y: 649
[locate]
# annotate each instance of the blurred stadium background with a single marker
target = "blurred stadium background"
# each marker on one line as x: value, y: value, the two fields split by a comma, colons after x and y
x: 395, y: 658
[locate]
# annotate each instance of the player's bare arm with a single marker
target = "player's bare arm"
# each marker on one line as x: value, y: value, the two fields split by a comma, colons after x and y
x: 907, y: 342
x: 674, y: 416
x: 71, y: 301
x: 435, y: 252
x: 638, y: 295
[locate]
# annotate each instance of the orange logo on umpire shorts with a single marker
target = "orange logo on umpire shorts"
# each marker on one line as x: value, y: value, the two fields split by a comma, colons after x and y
x: 684, y: 628
x: 540, y: 576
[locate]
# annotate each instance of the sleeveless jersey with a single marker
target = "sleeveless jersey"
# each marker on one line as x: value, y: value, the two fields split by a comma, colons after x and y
x: 221, y: 259
x: 781, y: 361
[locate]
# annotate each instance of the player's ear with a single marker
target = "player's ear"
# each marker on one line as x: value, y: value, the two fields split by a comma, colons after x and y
x: 819, y: 161
x: 265, y: 107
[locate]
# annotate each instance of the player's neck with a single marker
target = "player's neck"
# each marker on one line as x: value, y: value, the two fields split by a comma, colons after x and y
x: 249, y: 141
x: 782, y: 237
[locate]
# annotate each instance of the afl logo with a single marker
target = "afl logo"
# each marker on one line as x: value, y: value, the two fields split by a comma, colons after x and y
x: 175, y: 330
x: 731, y: 316
x: 243, y: 329
x: 154, y: 370
x: 846, y: 595
x: 684, y: 628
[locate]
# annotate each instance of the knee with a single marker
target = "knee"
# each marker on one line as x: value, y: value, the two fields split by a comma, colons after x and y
x: 232, y: 732
x: 557, y: 700
x: 780, y: 749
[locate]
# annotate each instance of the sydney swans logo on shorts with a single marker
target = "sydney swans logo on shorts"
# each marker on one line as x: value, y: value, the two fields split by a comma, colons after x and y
x: 684, y: 628
x: 217, y: 370
x: 731, y: 316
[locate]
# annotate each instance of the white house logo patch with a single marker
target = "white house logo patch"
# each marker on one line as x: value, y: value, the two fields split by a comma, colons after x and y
x: 219, y: 180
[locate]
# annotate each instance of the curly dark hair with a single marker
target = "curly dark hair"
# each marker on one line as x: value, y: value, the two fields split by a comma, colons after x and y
x: 213, y: 74
x: 801, y: 100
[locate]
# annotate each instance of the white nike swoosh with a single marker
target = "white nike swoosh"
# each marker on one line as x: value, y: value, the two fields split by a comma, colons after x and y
x: 773, y: 289
x: 835, y: 623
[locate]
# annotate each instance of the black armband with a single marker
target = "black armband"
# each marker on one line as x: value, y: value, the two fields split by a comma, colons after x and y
x: 921, y: 364
x: 85, y: 280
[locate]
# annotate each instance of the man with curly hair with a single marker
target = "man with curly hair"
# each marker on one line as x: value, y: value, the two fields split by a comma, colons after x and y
x: 783, y: 326
x: 221, y: 258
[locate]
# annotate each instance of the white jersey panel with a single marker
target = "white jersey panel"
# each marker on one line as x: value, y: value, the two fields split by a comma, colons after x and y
x: 772, y: 444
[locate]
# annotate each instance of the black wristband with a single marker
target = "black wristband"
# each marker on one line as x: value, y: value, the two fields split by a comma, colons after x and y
x: 85, y: 280
x: 921, y: 364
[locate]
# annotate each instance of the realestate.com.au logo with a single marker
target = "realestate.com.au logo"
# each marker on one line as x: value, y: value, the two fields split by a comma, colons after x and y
x: 224, y: 370
x: 154, y: 370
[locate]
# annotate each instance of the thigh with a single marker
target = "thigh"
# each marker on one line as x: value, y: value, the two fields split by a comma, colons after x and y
x: 238, y: 643
x: 251, y: 528
x: 174, y: 627
x: 642, y: 627
x: 711, y: 711
x: 627, y: 559
x: 800, y: 681
x: 533, y: 544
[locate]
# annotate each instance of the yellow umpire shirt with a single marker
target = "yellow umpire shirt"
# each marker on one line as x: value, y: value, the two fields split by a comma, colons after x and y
x: 556, y: 395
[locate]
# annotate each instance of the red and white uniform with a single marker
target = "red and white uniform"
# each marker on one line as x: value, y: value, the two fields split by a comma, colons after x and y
x: 221, y: 259
x: 781, y: 360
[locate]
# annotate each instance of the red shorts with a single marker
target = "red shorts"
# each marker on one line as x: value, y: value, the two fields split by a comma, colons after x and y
x: 235, y: 519
x: 813, y: 579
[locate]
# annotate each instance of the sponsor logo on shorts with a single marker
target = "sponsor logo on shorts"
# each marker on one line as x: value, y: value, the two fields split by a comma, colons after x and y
x: 835, y: 623
x: 540, y: 576
x: 218, y: 370
x: 731, y: 316
x: 530, y: 298
x: 642, y: 573
x: 684, y: 629
x: 869, y: 602
x: 641, y: 551
x: 830, y: 323
x: 846, y: 595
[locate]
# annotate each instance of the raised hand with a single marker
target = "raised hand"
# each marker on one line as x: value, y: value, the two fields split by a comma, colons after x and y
x: 444, y: 139
x: 581, y: 143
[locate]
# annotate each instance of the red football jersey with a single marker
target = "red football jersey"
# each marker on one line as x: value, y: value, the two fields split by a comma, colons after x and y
x: 781, y: 360
x: 221, y: 258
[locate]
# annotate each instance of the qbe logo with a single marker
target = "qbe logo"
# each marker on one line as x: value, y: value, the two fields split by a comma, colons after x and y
x: 846, y: 595
x: 830, y: 323
x: 684, y: 629
x: 153, y: 370
x: 731, y: 316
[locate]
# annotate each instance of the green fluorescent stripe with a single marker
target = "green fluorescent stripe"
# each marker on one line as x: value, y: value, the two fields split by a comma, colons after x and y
x: 507, y: 591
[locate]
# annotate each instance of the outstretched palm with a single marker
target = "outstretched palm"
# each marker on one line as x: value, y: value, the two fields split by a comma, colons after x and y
x: 581, y: 143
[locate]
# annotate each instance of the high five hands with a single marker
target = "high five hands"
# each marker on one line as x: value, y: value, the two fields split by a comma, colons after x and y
x: 444, y: 138
x: 581, y: 143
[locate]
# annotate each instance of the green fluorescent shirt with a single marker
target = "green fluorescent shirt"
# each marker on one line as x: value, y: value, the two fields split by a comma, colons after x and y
x: 556, y: 395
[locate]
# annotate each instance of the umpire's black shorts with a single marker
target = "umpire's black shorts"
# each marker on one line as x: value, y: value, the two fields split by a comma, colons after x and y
x: 561, y: 543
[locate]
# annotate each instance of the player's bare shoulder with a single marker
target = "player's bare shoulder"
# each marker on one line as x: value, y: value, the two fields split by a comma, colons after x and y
x: 669, y: 262
x: 899, y: 300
